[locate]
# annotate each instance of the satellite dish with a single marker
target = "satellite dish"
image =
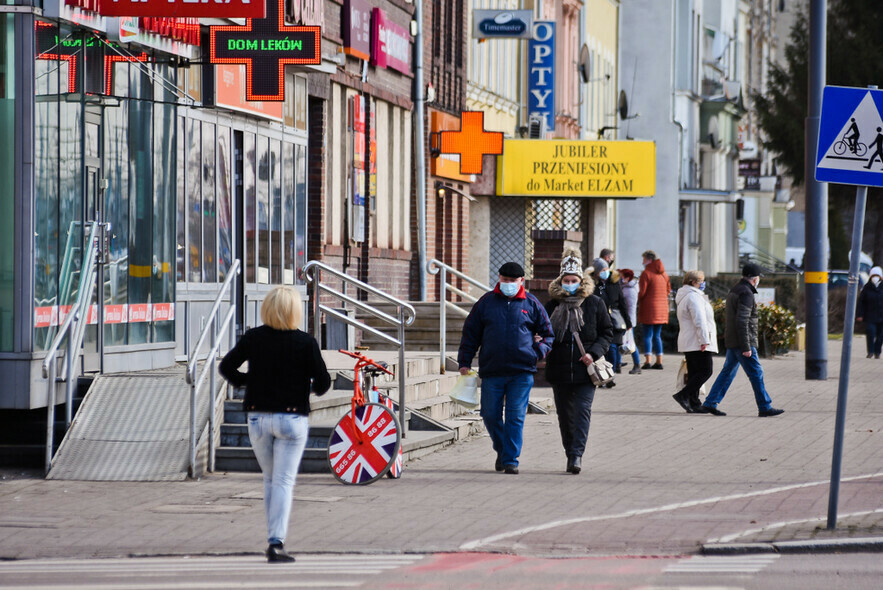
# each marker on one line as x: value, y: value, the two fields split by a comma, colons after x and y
x: 585, y: 63
x: 713, y: 132
x: 623, y: 105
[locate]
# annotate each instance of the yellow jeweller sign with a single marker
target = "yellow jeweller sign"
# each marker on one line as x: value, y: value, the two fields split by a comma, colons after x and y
x: 572, y: 168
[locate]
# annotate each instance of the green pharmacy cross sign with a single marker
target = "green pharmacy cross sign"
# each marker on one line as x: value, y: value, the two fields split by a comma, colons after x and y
x: 264, y: 46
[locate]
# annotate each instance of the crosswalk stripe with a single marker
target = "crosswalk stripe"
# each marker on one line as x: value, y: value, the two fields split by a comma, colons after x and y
x: 722, y: 564
x: 167, y: 573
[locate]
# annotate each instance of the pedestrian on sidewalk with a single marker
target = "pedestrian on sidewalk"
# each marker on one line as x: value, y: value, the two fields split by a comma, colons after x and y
x: 609, y: 290
x: 284, y: 364
x: 870, y: 310
x: 697, y: 338
x: 501, y: 328
x: 575, y: 311
x: 629, y: 341
x: 654, y: 287
x: 740, y: 338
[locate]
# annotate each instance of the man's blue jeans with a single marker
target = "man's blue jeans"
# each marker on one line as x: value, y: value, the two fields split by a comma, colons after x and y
x: 506, y: 395
x: 753, y: 370
x: 278, y: 441
x: 874, y: 337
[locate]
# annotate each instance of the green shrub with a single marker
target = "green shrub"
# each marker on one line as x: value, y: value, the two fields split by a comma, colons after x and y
x: 776, y: 327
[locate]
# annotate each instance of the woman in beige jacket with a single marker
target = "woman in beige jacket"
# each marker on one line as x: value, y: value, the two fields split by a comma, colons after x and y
x: 697, y: 338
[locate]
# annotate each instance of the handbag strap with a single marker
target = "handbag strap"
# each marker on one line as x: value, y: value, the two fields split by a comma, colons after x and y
x: 579, y: 343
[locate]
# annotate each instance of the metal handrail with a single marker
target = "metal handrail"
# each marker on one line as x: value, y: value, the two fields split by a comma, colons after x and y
x: 73, y: 328
x: 772, y: 257
x: 311, y: 273
x: 440, y: 268
x: 214, y: 331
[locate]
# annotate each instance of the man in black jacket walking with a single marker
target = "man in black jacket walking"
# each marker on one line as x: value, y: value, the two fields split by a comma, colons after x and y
x: 741, y: 341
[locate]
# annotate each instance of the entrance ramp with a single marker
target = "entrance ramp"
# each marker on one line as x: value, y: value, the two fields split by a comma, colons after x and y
x: 131, y: 427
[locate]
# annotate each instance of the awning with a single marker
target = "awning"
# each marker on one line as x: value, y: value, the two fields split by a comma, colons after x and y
x: 708, y: 196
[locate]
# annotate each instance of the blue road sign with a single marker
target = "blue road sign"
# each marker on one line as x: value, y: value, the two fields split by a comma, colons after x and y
x: 850, y: 148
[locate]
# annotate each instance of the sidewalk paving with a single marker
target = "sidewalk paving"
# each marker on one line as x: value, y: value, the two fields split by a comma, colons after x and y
x: 655, y: 481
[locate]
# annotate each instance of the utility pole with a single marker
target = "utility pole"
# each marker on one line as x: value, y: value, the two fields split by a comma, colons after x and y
x: 816, y: 261
x: 419, y: 148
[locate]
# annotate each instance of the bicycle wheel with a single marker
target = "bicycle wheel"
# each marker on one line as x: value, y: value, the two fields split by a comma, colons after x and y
x: 861, y: 149
x: 354, y: 462
x: 840, y: 147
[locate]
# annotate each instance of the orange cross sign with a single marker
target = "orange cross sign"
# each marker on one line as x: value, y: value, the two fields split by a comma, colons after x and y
x: 471, y: 142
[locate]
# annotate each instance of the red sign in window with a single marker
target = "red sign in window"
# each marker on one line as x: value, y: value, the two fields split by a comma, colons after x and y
x: 180, y: 8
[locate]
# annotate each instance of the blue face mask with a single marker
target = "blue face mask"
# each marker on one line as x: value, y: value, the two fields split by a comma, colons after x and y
x: 604, y: 274
x: 571, y: 288
x: 509, y: 289
x: 702, y: 286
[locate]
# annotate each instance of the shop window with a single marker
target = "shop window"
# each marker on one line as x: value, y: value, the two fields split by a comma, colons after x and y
x: 181, y: 209
x: 288, y: 173
x: 209, y: 220
x: 263, y: 209
x: 194, y: 201
x: 300, y: 243
x: 249, y: 191
x: 276, y: 191
x: 225, y: 191
x: 165, y: 180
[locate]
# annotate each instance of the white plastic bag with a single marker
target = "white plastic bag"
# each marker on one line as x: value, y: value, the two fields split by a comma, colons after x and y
x: 682, y: 377
x: 465, y: 391
x: 628, y: 342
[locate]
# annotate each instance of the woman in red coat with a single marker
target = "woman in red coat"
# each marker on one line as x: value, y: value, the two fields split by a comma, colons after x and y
x: 654, y: 287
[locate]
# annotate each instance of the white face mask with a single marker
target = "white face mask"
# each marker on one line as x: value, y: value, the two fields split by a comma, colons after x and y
x: 876, y: 280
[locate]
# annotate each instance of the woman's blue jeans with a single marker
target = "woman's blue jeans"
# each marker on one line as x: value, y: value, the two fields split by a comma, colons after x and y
x: 278, y: 441
x: 652, y: 338
x: 507, y: 395
x: 614, y: 357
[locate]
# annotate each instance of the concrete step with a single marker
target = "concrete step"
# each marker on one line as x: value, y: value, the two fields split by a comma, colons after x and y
x: 417, y: 443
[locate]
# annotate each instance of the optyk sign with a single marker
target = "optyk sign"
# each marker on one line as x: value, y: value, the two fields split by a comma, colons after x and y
x: 541, y: 72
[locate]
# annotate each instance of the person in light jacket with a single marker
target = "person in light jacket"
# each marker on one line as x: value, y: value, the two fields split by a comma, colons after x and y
x: 697, y: 338
x: 284, y: 365
x: 630, y: 293
x: 575, y: 309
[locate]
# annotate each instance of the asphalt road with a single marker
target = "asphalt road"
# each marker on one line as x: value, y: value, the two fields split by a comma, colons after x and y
x: 455, y: 571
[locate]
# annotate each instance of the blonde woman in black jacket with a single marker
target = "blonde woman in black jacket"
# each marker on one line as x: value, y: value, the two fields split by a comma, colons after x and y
x: 284, y: 365
x: 574, y: 308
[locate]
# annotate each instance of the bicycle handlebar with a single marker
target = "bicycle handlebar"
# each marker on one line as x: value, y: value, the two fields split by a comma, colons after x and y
x: 364, y: 361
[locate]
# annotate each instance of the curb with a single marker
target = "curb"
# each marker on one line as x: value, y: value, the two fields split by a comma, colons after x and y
x: 859, y: 545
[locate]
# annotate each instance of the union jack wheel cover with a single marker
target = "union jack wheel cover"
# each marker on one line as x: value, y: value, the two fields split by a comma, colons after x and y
x: 355, y: 463
x: 395, y: 471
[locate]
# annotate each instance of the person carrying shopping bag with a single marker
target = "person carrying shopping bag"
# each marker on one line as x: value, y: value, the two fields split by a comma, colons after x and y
x: 575, y: 312
x: 697, y: 338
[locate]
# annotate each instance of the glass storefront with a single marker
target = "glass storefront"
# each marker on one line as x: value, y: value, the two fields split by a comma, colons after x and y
x: 111, y: 158
x: 7, y: 172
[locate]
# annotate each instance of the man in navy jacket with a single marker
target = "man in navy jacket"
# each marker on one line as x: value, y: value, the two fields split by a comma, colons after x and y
x: 511, y: 331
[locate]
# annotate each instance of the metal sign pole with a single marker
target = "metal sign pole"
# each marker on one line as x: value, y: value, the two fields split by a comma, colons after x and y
x: 858, y: 224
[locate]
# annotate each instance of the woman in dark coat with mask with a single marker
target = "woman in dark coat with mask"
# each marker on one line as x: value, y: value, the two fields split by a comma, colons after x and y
x: 574, y: 308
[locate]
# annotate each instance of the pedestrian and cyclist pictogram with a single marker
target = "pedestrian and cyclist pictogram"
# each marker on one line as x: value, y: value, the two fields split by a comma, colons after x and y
x: 850, y: 149
x: 366, y: 443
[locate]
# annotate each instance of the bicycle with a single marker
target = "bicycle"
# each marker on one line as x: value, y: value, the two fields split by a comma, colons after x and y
x: 366, y: 443
x: 842, y: 145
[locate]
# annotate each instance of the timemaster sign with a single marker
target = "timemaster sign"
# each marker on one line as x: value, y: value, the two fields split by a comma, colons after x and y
x: 264, y: 46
